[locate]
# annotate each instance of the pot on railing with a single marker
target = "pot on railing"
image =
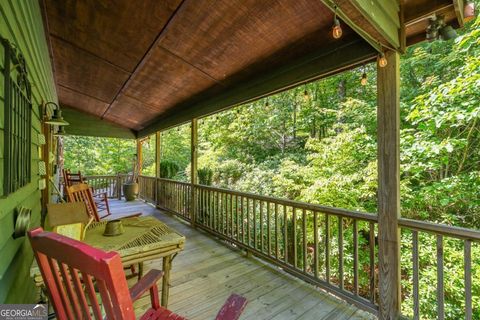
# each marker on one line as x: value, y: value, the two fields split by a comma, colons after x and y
x: 130, y: 191
x: 130, y: 187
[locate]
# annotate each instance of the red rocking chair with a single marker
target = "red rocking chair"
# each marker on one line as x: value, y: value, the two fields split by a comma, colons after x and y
x: 72, y: 271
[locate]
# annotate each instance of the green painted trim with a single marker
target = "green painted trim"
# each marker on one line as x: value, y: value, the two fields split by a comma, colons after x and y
x: 309, y: 68
x: 383, y: 15
x: 380, y: 14
x: 459, y: 6
x: 84, y: 124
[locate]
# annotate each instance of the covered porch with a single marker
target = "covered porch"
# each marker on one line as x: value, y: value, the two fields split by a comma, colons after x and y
x: 131, y: 69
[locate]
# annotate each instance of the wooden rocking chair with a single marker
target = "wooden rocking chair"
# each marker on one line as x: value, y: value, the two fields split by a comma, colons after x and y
x: 81, y: 192
x: 72, y: 271
x: 100, y: 198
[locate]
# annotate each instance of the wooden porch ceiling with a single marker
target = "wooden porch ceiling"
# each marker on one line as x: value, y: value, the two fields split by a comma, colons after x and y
x: 147, y: 65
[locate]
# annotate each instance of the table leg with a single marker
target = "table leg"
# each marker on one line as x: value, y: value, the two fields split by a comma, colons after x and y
x: 167, y: 266
x: 140, y: 270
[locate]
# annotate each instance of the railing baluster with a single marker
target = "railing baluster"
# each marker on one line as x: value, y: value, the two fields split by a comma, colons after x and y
x: 294, y: 223
x: 327, y: 248
x: 372, y: 262
x: 440, y: 291
x: 211, y: 210
x: 416, y: 301
x: 315, y: 244
x: 276, y: 231
x: 225, y: 206
x: 255, y: 244
x: 185, y: 200
x: 220, y: 212
x: 304, y: 238
x: 231, y: 216
x: 340, y: 252
x: 243, y: 218
x: 217, y: 210
x: 248, y: 223
x: 199, y: 207
x: 355, y: 257
x: 261, y: 227
x: 237, y: 218
x: 468, y: 279
x: 285, y: 233
x: 226, y: 227
x: 269, y: 249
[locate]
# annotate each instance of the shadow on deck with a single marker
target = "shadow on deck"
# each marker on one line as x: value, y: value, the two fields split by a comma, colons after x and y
x: 207, y: 272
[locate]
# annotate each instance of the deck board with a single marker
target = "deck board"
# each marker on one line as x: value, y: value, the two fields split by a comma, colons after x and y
x: 207, y: 272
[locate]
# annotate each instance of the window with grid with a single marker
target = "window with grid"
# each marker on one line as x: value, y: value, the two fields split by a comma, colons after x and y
x: 17, y: 120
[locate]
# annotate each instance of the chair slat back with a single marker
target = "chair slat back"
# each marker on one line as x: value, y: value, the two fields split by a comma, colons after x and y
x: 72, y: 270
x: 83, y: 193
x: 70, y: 178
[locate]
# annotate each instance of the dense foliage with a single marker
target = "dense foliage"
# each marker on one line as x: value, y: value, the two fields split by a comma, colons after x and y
x: 317, y: 143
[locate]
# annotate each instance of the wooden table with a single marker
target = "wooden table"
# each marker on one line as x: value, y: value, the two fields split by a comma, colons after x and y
x: 144, y: 239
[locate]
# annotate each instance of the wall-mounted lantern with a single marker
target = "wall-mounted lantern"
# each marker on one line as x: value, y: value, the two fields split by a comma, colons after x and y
x: 56, y: 118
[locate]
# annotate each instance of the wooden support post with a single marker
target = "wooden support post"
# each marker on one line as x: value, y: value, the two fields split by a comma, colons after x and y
x: 193, y: 169
x: 47, y: 132
x: 157, y: 164
x: 119, y: 187
x: 388, y: 118
x: 139, y: 156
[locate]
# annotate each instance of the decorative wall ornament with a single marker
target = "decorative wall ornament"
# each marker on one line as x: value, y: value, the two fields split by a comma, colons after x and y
x: 22, y: 222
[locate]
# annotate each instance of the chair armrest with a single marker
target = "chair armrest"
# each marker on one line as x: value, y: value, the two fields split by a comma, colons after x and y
x: 232, y: 308
x: 145, y: 283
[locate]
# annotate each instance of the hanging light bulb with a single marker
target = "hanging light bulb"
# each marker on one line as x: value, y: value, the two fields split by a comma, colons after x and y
x: 306, y: 96
x: 364, y: 80
x: 382, y: 60
x: 336, y: 29
x: 60, y: 132
x: 469, y: 11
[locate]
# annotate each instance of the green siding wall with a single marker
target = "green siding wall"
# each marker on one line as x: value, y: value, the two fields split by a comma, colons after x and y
x: 21, y: 23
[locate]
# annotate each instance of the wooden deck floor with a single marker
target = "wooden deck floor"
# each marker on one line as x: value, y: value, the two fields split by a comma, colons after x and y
x: 207, y: 272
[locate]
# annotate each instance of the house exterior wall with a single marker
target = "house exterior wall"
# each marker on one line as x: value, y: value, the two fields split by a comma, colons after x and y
x: 21, y: 23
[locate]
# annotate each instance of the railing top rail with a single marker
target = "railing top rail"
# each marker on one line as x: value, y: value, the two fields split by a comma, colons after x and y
x: 299, y: 205
x: 442, y: 229
x: 175, y: 181
x: 104, y: 176
x: 146, y: 177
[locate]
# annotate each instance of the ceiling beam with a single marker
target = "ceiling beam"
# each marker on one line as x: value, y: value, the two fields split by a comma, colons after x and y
x: 425, y: 13
x: 339, y: 57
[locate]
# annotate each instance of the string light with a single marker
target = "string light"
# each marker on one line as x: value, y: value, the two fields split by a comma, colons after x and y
x: 364, y: 80
x: 336, y: 29
x: 382, y: 60
x: 306, y: 96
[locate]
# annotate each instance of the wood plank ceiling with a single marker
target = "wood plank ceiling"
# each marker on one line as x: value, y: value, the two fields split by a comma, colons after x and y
x: 134, y: 62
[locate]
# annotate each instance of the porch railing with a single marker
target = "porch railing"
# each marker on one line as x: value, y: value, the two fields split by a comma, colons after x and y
x: 322, y: 244
x: 112, y: 185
